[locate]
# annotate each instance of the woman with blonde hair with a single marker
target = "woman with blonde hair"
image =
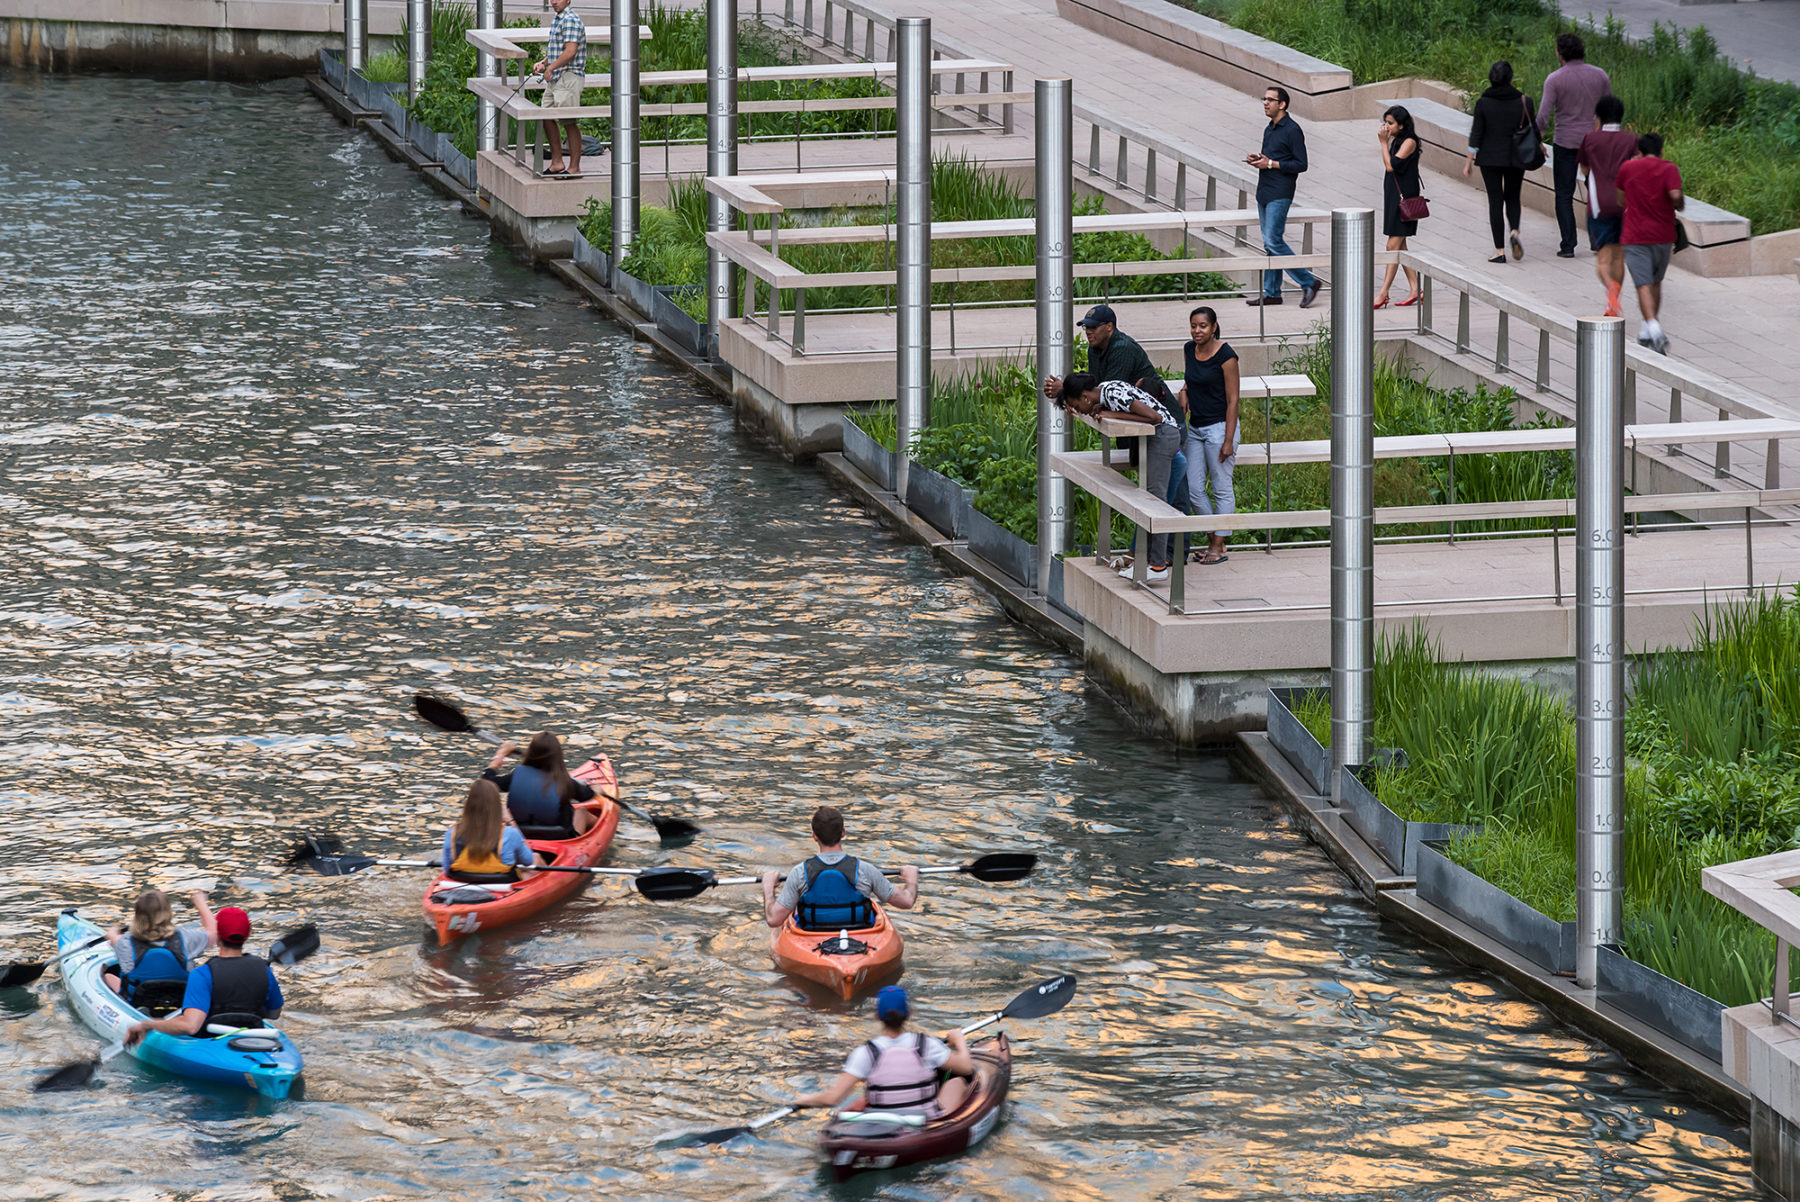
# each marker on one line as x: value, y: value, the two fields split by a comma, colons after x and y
x: 483, y: 847
x: 154, y: 954
x: 540, y: 792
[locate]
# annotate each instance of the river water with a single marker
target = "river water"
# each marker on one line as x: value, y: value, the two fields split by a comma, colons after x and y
x: 285, y: 438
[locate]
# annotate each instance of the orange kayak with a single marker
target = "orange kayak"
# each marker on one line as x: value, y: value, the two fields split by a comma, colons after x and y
x: 506, y: 904
x: 843, y: 962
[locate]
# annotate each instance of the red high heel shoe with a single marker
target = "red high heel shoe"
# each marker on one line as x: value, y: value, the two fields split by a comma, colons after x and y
x: 1383, y: 302
x: 1411, y: 300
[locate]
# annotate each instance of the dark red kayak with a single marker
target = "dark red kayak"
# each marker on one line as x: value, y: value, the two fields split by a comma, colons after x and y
x: 860, y: 1146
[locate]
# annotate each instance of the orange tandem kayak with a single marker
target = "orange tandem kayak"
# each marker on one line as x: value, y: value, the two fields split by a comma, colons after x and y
x: 844, y: 962
x: 455, y: 908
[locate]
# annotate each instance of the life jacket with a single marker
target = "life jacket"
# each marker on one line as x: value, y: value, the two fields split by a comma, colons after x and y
x: 158, y: 976
x: 480, y: 867
x: 831, y: 900
x: 533, y: 798
x: 240, y: 987
x: 898, y: 1078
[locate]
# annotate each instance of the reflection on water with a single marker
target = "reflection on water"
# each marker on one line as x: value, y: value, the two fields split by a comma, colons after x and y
x: 285, y: 438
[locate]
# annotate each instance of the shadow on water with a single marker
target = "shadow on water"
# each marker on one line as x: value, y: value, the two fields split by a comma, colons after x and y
x: 286, y: 438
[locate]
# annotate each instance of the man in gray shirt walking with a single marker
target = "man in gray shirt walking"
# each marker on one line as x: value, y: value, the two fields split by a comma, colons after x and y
x: 1570, y: 94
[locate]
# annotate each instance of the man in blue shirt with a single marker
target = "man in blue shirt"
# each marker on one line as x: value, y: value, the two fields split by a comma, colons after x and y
x: 231, y: 986
x: 1278, y: 165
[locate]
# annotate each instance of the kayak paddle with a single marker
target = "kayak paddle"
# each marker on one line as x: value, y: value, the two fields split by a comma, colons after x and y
x: 16, y: 973
x: 291, y: 948
x: 445, y: 715
x: 1039, y: 1001
x: 325, y: 855
x: 679, y: 884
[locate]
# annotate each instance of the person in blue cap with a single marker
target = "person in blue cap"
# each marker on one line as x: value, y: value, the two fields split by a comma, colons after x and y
x: 902, y: 1072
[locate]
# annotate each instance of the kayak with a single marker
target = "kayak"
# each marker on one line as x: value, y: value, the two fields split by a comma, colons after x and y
x: 844, y: 962
x: 851, y: 1144
x: 264, y: 1060
x: 455, y: 908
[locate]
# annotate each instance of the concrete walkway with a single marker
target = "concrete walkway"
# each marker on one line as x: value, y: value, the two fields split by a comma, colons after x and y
x: 1763, y: 35
x: 1746, y: 330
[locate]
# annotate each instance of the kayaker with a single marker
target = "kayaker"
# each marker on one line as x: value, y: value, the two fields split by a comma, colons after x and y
x: 830, y: 891
x: 482, y: 847
x: 540, y: 791
x: 154, y: 954
x: 232, y: 987
x: 905, y: 1073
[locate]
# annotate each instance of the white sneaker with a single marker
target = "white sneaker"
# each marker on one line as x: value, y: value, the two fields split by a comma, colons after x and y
x: 1156, y: 575
x: 1644, y: 338
x: 1125, y: 571
x: 1660, y: 344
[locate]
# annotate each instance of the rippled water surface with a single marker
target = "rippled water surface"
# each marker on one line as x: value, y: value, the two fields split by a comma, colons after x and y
x: 285, y: 438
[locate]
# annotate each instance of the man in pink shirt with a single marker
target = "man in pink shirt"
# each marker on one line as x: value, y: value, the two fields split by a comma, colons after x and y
x: 1650, y: 187
x: 1570, y: 93
x: 1603, y: 152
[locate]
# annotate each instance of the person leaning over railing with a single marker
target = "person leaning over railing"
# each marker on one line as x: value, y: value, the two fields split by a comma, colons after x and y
x: 564, y: 70
x: 1083, y: 393
x: 1116, y: 355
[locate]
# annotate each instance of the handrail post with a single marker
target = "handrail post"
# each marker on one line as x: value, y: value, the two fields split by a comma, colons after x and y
x: 1352, y: 487
x: 1054, y: 100
x: 721, y: 155
x: 418, y: 45
x: 625, y: 196
x: 489, y: 14
x: 356, y: 36
x: 912, y: 121
x: 1599, y: 637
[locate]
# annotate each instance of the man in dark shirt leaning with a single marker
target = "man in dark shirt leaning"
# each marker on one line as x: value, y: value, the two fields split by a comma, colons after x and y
x: 1113, y: 355
x: 1278, y: 165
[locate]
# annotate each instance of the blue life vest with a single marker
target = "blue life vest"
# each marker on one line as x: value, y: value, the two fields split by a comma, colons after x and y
x: 831, y: 900
x: 533, y: 798
x: 158, y: 978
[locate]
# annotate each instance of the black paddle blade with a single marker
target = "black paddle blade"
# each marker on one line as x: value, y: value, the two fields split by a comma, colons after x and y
x: 674, y: 884
x: 1003, y: 866
x: 339, y: 865
x: 670, y: 830
x: 441, y: 713
x: 69, y: 1076
x: 295, y: 946
x: 313, y: 847
x: 697, y: 1139
x: 1042, y: 999
x: 16, y: 975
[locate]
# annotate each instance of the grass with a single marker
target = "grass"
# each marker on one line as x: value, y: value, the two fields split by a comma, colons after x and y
x: 1736, y: 137
x: 1713, y: 775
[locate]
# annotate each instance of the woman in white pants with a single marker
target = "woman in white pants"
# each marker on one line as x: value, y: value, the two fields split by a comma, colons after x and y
x: 1210, y: 396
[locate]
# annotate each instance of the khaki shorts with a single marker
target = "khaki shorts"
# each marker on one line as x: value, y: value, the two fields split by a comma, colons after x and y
x: 564, y: 93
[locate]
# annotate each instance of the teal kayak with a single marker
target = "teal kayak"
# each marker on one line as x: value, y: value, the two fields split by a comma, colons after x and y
x: 265, y: 1060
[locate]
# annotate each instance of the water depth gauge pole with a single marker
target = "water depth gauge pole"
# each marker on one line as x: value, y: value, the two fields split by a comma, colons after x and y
x: 418, y: 45
x: 356, y: 34
x: 912, y: 238
x: 1599, y: 636
x: 1055, y: 293
x: 624, y: 127
x: 488, y: 15
x: 721, y: 154
x: 1352, y: 486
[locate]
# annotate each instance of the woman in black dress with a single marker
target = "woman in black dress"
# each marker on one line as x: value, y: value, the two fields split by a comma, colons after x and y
x: 1400, y: 158
x: 1500, y: 113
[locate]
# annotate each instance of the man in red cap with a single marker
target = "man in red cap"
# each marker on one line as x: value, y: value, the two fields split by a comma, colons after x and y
x: 232, y: 988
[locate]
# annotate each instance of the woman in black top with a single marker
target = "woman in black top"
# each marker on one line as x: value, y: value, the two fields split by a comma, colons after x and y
x: 1210, y: 394
x: 1499, y: 114
x: 1400, y: 157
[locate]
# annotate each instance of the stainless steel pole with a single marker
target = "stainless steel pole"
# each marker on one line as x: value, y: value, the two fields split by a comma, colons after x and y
x: 1055, y: 294
x: 488, y: 15
x: 912, y: 241
x: 418, y: 45
x: 1599, y: 636
x: 624, y: 127
x: 356, y: 34
x: 1352, y: 486
x: 721, y: 154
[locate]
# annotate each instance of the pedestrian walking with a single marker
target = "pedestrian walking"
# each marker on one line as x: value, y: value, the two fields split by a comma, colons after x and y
x: 1650, y: 187
x: 1501, y: 114
x: 1278, y: 166
x: 1399, y: 142
x: 1603, y: 152
x: 1210, y: 394
x: 1570, y: 94
x: 564, y: 67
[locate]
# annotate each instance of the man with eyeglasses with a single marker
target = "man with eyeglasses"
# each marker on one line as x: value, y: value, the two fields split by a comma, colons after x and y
x: 1281, y: 160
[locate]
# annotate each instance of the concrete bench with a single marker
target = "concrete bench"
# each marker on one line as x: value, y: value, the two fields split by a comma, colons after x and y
x: 1320, y: 90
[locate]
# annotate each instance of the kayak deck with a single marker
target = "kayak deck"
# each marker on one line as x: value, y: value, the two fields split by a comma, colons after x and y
x: 842, y: 961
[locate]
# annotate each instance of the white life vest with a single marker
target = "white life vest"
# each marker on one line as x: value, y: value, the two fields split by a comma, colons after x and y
x: 899, y: 1078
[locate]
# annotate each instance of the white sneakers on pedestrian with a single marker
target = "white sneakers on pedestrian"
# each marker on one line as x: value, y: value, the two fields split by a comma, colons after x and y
x: 1153, y: 575
x: 1651, y: 334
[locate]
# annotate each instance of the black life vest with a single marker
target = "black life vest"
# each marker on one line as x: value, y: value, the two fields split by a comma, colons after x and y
x: 830, y: 900
x: 240, y: 986
x: 158, y: 976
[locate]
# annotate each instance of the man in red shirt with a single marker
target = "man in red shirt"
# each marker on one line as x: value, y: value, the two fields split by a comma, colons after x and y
x: 1604, y: 150
x: 1650, y: 189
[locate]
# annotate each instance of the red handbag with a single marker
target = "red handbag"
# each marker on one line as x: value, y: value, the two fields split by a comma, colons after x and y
x: 1414, y: 208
